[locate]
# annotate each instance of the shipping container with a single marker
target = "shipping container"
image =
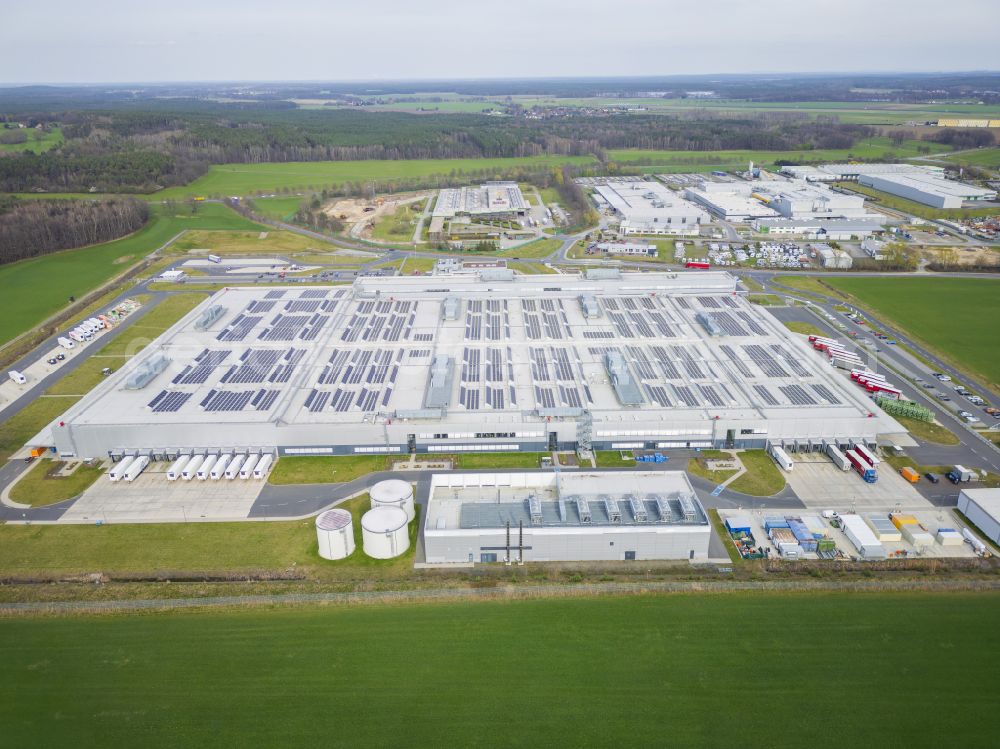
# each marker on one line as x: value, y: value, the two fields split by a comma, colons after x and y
x: 949, y: 537
x: 883, y: 527
x: 782, y: 536
x: 917, y: 536
x: 774, y: 521
x: 899, y: 520
x: 738, y: 524
x: 859, y: 534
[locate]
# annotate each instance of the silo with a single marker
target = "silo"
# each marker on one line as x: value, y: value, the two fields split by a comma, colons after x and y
x: 393, y: 493
x: 335, y: 533
x: 384, y: 532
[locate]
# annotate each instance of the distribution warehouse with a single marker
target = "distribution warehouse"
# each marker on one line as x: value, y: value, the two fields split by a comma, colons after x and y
x: 647, y: 207
x: 471, y: 363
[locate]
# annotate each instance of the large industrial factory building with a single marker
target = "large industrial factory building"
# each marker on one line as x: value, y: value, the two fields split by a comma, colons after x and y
x: 567, y: 516
x: 487, y: 362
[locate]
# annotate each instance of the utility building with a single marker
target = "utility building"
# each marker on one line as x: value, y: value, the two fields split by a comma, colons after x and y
x: 648, y: 207
x: 564, y: 517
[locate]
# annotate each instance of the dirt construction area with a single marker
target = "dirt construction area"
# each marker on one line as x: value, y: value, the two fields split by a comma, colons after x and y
x: 359, y: 214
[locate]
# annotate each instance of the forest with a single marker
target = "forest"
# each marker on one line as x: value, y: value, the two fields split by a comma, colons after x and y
x: 124, y: 150
x: 29, y: 228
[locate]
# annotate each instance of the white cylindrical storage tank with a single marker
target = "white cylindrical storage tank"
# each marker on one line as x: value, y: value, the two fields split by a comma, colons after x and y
x: 384, y: 532
x: 192, y: 467
x: 136, y: 467
x: 206, y: 467
x: 219, y: 469
x: 119, y: 468
x: 177, y: 467
x: 233, y: 469
x: 246, y: 471
x: 335, y: 533
x: 263, y: 466
x: 394, y: 493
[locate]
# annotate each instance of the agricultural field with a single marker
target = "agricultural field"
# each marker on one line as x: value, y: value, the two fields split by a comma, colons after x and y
x: 983, y: 157
x: 37, y: 288
x: 704, y: 161
x: 37, y: 141
x: 245, y: 179
x: 269, y: 677
x: 247, y: 243
x: 954, y: 317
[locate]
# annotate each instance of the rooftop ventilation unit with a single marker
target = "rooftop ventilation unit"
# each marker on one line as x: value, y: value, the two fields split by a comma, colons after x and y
x: 614, y: 511
x: 624, y: 384
x: 589, y: 306
x: 535, y: 509
x: 662, y: 507
x: 439, y: 385
x: 451, y: 308
x: 562, y: 510
x: 638, y: 508
x: 209, y: 316
x: 688, y: 508
x: 709, y: 324
x: 583, y: 507
x: 145, y: 372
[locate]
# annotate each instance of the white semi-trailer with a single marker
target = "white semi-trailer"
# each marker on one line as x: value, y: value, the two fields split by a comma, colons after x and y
x: 118, y: 469
x: 177, y: 467
x: 135, y: 468
x: 781, y: 458
x: 263, y: 466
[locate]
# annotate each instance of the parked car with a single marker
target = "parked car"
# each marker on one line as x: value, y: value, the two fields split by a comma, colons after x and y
x: 52, y: 360
x: 932, y: 477
x: 61, y: 357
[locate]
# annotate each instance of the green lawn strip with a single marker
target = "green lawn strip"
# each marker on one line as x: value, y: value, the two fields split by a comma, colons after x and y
x: 278, y: 209
x: 246, y: 179
x: 983, y: 157
x: 806, y: 328
x: 322, y: 469
x: 37, y: 288
x: 720, y: 528
x: 614, y: 459
x: 752, y: 284
x: 696, y: 467
x: 928, y: 431
x: 766, y: 300
x: 88, y: 375
x: 954, y: 318
x: 143, y: 331
x: 539, y: 248
x: 763, y: 478
x: 29, y: 421
x: 267, y: 677
x: 488, y: 461
x: 39, y: 487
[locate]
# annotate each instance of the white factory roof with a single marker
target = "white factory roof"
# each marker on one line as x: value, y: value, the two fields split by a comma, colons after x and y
x: 642, y: 200
x: 937, y: 185
x: 832, y: 172
x: 591, y: 501
x: 987, y: 499
x: 391, y: 348
x: 493, y: 197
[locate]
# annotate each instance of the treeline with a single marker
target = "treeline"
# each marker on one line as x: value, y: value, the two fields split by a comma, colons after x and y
x: 141, y: 151
x: 963, y: 138
x: 29, y: 228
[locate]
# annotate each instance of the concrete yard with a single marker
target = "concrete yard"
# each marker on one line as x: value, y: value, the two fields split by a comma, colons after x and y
x: 153, y: 499
x: 821, y: 486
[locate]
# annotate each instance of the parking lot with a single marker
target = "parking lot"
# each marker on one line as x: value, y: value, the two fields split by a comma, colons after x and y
x: 821, y: 485
x: 153, y: 499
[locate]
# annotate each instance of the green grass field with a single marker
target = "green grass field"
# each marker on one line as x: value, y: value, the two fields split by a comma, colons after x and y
x: 244, y: 179
x: 983, y: 157
x: 38, y: 488
x: 35, y: 145
x: 686, y: 670
x: 279, y: 209
x: 955, y: 317
x: 37, y: 288
x: 699, y: 161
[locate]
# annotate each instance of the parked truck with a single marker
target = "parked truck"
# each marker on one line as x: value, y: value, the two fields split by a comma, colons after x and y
x: 17, y: 377
x: 66, y: 343
x: 863, y: 468
x: 867, y: 455
x: 781, y: 458
x: 909, y: 474
x: 960, y: 475
x: 215, y: 258
x: 838, y: 458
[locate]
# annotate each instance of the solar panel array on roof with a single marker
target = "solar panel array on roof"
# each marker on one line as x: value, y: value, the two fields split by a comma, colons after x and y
x: 790, y: 361
x: 726, y: 322
x: 711, y: 395
x: 284, y: 328
x: 168, y: 401
x: 276, y: 294
x: 737, y: 362
x: 264, y: 399
x: 259, y: 306
x: 313, y: 294
x: 760, y: 356
x: 797, y: 395
x: 687, y: 361
x: 239, y: 327
x: 765, y: 395
x: 755, y: 328
x: 226, y: 400
x: 825, y: 393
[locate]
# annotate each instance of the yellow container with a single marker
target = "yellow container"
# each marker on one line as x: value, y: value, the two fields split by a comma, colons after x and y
x: 900, y: 520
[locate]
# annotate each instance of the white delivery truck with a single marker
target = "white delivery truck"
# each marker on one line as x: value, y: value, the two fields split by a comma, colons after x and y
x: 66, y: 343
x: 215, y: 258
x: 17, y: 377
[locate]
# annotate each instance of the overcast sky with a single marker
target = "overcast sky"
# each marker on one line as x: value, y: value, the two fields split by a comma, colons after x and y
x: 65, y: 41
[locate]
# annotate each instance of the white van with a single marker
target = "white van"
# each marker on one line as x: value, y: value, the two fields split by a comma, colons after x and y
x: 17, y: 377
x: 66, y: 342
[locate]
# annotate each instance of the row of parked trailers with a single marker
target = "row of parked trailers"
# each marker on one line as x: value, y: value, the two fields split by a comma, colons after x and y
x: 216, y: 467
x: 845, y: 359
x: 201, y: 467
